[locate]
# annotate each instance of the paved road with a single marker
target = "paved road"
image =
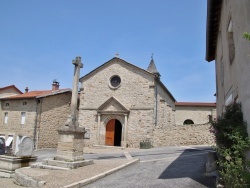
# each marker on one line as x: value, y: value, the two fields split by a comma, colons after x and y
x: 162, y: 167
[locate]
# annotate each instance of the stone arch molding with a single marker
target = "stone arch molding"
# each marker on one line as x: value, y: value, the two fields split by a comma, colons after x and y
x: 106, y: 120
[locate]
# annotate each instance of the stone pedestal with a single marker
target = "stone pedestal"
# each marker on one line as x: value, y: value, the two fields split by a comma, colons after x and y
x: 8, y: 164
x: 70, y: 144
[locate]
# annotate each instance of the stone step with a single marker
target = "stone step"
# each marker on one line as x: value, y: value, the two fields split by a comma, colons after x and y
x: 43, y: 166
x: 107, y: 147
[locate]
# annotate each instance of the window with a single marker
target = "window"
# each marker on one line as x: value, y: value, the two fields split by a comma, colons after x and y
x: 230, y: 40
x: 23, y: 114
x: 7, y: 104
x: 115, y: 82
x: 5, y: 117
x: 24, y: 103
x: 188, y: 122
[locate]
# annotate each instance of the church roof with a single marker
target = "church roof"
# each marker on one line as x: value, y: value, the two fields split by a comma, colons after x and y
x: 152, y: 68
x: 110, y: 61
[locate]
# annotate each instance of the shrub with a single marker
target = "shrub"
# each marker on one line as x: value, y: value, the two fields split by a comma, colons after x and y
x: 232, y: 141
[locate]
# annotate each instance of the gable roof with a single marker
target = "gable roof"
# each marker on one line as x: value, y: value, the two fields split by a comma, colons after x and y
x: 11, y: 86
x: 37, y: 94
x: 110, y: 61
x: 196, y: 104
x: 150, y: 68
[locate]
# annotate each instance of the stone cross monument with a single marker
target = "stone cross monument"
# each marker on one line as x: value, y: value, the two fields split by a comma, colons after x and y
x: 78, y: 65
x: 70, y: 144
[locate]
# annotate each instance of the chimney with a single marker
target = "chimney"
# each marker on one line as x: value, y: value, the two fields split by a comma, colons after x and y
x: 55, y: 85
x: 26, y: 90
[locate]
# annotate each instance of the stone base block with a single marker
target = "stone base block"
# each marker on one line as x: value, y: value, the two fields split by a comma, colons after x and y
x: 123, y: 144
x: 66, y: 164
x: 6, y: 173
x: 69, y: 156
x: 8, y: 164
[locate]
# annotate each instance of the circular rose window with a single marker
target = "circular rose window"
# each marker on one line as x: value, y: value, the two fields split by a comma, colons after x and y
x: 115, y: 81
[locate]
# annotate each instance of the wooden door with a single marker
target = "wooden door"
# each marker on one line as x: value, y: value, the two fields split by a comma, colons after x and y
x: 110, y: 133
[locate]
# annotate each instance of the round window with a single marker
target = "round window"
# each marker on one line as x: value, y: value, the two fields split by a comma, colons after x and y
x: 115, y: 81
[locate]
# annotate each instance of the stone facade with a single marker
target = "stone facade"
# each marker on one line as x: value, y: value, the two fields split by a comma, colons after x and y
x: 42, y: 116
x: 227, y: 20
x: 143, y: 106
x: 199, y: 114
x: 53, y: 115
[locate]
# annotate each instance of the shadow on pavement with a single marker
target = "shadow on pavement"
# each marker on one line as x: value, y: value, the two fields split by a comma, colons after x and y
x: 189, y: 165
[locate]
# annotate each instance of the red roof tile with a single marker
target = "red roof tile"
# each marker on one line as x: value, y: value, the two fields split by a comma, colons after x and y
x: 34, y: 94
x: 204, y: 104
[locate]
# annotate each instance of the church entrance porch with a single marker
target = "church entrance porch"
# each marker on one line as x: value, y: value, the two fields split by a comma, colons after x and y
x: 113, y: 133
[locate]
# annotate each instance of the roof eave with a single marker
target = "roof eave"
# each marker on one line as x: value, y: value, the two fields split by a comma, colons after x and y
x: 212, y: 28
x: 103, y: 65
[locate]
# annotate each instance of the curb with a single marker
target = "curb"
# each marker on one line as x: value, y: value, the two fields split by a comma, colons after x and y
x: 99, y: 176
x: 27, y: 181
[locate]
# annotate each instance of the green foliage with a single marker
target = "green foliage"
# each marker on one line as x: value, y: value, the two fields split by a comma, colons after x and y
x: 246, y: 35
x: 232, y: 142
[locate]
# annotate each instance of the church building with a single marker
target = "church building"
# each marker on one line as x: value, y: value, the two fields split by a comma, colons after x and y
x: 124, y: 105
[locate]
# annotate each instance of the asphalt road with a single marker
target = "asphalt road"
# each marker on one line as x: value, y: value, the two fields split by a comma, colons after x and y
x: 160, y: 167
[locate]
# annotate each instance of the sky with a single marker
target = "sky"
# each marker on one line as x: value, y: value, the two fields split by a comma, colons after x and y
x: 39, y: 39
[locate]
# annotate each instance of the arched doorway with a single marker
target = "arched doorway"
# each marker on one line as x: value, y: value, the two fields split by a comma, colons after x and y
x: 113, y: 133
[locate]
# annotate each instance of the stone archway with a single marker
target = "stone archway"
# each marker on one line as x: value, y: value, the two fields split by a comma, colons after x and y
x: 113, y: 133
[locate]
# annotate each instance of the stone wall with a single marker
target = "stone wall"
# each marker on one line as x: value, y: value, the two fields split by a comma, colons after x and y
x: 54, y: 111
x: 198, y: 114
x: 134, y: 90
x: 232, y: 75
x: 135, y: 93
x: 140, y: 127
x: 183, y: 135
x: 48, y: 115
x: 8, y: 92
x: 14, y: 127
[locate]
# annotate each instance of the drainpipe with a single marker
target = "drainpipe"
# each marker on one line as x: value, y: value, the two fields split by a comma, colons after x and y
x: 35, y: 126
x: 37, y: 120
x: 156, y: 102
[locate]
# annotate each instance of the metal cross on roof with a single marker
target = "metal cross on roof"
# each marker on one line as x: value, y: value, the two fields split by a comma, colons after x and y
x: 117, y: 54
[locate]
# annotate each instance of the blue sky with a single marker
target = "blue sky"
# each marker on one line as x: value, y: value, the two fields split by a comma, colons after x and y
x: 39, y: 39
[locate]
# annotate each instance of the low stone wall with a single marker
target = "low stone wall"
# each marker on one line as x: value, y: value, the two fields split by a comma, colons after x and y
x: 183, y: 135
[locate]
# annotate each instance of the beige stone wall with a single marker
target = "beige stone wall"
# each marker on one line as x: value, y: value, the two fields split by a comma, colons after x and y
x: 136, y: 93
x: 88, y: 119
x: 14, y: 127
x: 140, y: 127
x: 14, y: 117
x: 183, y: 135
x: 8, y: 92
x: 232, y: 78
x: 199, y: 115
x: 165, y: 108
x: 54, y: 112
